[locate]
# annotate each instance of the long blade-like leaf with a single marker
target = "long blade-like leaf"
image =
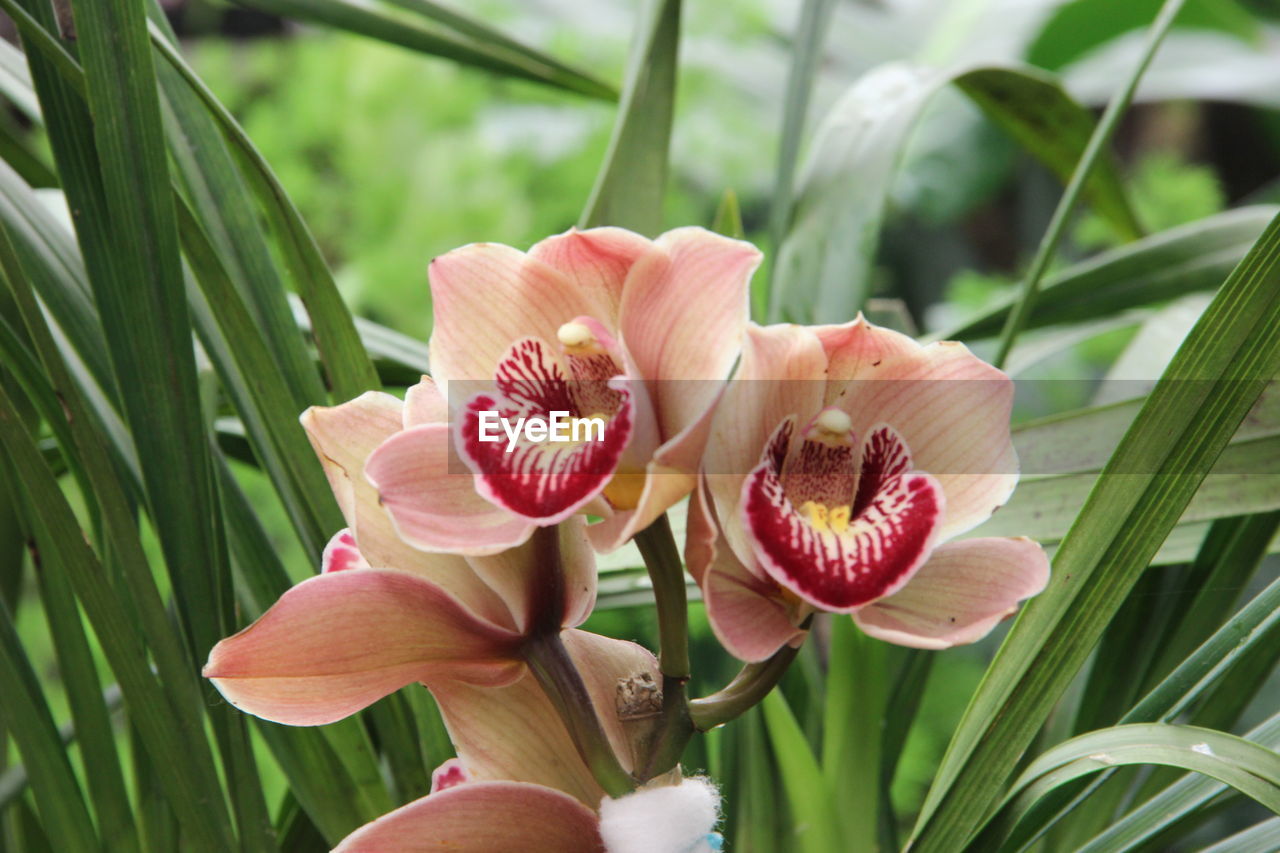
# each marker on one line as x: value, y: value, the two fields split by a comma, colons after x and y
x: 1212, y: 382
x: 630, y: 186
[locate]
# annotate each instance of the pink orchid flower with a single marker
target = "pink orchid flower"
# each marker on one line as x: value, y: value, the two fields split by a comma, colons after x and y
x: 603, y: 325
x: 842, y: 460
x: 383, y: 614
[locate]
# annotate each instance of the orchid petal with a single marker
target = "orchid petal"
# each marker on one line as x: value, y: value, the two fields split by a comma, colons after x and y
x: 337, y: 642
x: 596, y: 259
x: 449, y: 774
x: 953, y: 410
x: 485, y: 296
x: 959, y: 594
x: 342, y: 553
x: 483, y: 817
x: 857, y: 349
x: 747, y: 610
x: 514, y: 732
x: 431, y: 496
x: 684, y: 310
x: 516, y: 577
x: 344, y: 437
x: 424, y: 404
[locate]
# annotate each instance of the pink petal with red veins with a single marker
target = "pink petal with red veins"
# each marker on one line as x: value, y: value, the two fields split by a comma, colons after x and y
x: 486, y: 296
x: 960, y: 594
x: 514, y: 732
x: 344, y: 437
x: 548, y: 481
x: 953, y: 410
x: 337, y: 642
x: 342, y: 554
x: 424, y: 404
x: 884, y: 542
x: 432, y: 499
x: 448, y: 774
x: 782, y: 374
x: 684, y: 310
x: 483, y: 817
x: 597, y: 259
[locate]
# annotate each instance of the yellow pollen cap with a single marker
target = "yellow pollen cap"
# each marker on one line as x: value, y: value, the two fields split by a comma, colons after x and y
x: 834, y: 421
x: 575, y: 335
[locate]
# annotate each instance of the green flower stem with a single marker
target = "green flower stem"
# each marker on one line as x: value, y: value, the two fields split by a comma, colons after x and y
x: 662, y: 559
x: 551, y: 665
x: 1066, y: 206
x: 748, y: 688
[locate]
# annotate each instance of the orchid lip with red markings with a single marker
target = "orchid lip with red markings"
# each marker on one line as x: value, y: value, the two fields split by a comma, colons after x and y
x: 549, y: 480
x: 838, y: 523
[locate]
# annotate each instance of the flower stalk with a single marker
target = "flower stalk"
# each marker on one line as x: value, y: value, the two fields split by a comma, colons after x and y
x: 662, y: 559
x: 551, y: 665
x: 747, y: 689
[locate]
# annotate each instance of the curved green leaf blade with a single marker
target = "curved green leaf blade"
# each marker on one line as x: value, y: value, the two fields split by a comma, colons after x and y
x: 1186, y: 259
x: 823, y: 266
x: 1212, y: 382
x: 629, y: 188
x: 483, y: 47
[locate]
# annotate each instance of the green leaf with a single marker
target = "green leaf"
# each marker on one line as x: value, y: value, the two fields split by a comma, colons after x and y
x: 813, y: 814
x: 147, y: 327
x: 1066, y: 453
x: 346, y: 363
x: 822, y: 271
x: 1250, y: 768
x: 1077, y: 27
x: 1214, y: 667
x: 629, y: 188
x: 215, y: 189
x: 1180, y: 803
x: 79, y: 676
x: 806, y: 54
x: 25, y: 713
x: 477, y: 30
x: 1187, y: 259
x: 261, y: 394
x: 481, y: 46
x: 75, y: 425
x: 857, y: 683
x: 165, y: 726
x: 1212, y: 382
x: 1260, y: 838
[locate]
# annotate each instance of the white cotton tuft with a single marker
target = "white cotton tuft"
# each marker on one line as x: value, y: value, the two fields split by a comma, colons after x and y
x: 665, y: 819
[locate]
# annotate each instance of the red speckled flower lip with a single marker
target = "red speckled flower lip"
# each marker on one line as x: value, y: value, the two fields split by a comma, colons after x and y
x: 839, y: 524
x: 547, y: 481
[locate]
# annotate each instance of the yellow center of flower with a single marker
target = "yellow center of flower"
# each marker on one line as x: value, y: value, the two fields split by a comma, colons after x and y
x: 825, y: 519
x: 576, y: 336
